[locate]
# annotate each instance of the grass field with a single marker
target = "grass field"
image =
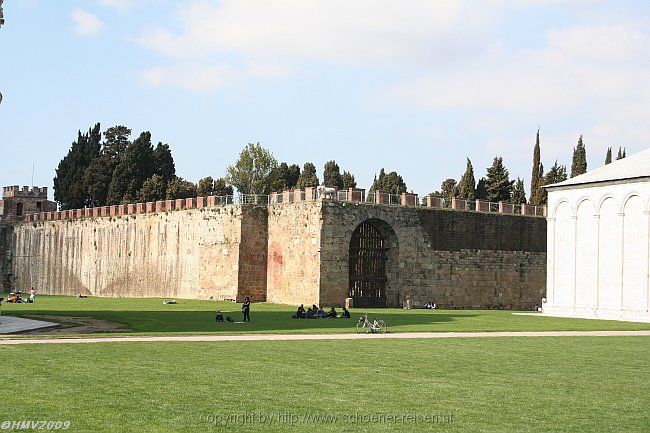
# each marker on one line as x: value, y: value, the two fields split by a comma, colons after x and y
x: 150, y: 316
x: 586, y: 384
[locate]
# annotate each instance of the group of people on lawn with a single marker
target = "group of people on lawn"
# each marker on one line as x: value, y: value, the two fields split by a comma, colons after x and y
x: 312, y: 312
x: 315, y: 312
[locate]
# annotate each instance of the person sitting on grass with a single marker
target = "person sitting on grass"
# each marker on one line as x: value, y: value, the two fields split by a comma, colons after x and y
x: 332, y: 312
x: 346, y: 313
x: 321, y: 313
x: 300, y: 314
x: 219, y: 317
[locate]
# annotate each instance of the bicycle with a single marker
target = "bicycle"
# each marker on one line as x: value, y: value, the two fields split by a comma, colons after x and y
x: 374, y: 327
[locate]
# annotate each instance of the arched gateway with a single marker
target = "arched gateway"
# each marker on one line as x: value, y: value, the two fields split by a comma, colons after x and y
x: 369, y: 253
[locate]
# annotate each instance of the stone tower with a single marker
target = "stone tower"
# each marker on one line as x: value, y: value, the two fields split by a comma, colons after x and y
x: 17, y: 202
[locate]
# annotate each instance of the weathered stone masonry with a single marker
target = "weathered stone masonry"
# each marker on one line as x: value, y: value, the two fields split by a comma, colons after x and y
x: 457, y: 259
x: 190, y: 253
x: 287, y: 253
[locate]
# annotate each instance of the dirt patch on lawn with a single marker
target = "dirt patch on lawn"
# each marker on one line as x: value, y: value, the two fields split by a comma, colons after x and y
x: 75, y: 325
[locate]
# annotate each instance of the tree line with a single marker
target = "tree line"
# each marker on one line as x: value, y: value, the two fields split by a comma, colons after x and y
x: 117, y: 170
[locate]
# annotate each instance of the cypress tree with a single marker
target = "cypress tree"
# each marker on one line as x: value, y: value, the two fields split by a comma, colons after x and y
x: 448, y: 189
x: 518, y: 193
x: 608, y: 156
x: 579, y: 163
x: 481, y: 192
x: 466, y: 186
x: 164, y: 162
x: 536, y: 174
x: 153, y: 189
x: 348, y: 181
x: 308, y: 176
x: 292, y: 175
x: 69, y: 188
x: 391, y: 183
x: 332, y: 175
x: 99, y: 173
x: 621, y: 154
x: 556, y: 174
x: 180, y: 188
x: 135, y: 166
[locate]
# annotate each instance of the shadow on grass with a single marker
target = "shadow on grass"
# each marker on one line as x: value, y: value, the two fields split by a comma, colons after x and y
x: 261, y: 321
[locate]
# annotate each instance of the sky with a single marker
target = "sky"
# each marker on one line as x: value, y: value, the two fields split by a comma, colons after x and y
x: 414, y: 86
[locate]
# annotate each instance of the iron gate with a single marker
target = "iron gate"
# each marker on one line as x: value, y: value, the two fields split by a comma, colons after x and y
x: 368, y: 255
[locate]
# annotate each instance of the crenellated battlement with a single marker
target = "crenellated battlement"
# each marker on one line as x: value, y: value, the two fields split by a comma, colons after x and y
x: 352, y: 195
x: 25, y: 191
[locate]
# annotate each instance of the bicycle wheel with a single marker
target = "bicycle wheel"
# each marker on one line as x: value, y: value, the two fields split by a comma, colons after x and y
x: 360, y: 326
x: 383, y: 327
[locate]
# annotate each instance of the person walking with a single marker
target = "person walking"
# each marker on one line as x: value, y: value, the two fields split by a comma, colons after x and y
x: 32, y: 296
x: 246, y: 309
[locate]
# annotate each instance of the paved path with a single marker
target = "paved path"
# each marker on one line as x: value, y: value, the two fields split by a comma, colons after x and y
x: 275, y: 337
x: 13, y: 324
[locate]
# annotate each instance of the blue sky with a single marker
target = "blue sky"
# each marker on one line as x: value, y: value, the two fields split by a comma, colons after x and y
x: 412, y: 86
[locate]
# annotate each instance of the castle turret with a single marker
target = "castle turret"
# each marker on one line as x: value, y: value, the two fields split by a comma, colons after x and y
x: 17, y: 202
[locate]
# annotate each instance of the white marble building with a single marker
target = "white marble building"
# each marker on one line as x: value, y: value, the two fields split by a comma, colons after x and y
x: 597, y: 242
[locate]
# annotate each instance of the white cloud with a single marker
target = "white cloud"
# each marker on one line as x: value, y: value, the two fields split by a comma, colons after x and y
x: 86, y: 23
x: 269, y: 38
x: 334, y: 30
x: 118, y: 5
x: 432, y: 55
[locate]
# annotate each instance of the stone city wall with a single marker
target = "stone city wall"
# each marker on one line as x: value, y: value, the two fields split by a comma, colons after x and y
x: 294, y: 240
x: 192, y: 253
x: 457, y: 259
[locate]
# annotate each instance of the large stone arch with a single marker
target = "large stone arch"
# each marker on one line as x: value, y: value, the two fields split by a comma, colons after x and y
x: 373, y: 264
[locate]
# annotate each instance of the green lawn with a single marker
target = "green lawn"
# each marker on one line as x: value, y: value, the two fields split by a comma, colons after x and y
x: 150, y: 316
x: 587, y: 384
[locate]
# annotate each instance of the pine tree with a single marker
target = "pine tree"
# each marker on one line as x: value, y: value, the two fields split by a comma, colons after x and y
x: 518, y: 193
x: 497, y: 182
x: 536, y: 173
x: 348, y: 181
x: 579, y: 163
x: 466, y: 186
x: 332, y: 175
x: 481, y: 192
x: 308, y: 177
x: 621, y: 154
x: 608, y: 156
